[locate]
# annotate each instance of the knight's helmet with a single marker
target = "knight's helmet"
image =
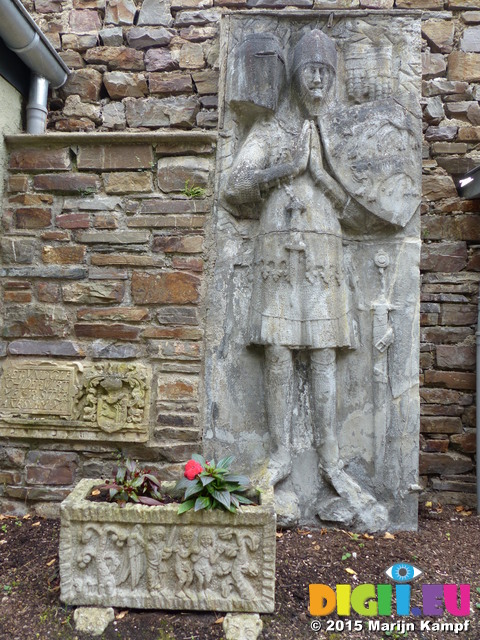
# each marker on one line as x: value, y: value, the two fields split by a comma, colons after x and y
x: 257, y: 73
x: 314, y: 47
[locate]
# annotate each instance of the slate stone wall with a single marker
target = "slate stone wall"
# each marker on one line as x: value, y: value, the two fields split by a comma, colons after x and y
x: 450, y: 254
x: 102, y: 261
x: 88, y: 280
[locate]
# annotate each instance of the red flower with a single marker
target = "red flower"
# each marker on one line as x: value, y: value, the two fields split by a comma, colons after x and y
x: 192, y: 469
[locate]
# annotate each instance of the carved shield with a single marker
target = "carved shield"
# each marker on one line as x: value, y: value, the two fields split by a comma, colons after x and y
x: 374, y: 152
x: 111, y: 417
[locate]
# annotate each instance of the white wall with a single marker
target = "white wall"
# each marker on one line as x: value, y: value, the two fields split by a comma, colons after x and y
x: 10, y: 122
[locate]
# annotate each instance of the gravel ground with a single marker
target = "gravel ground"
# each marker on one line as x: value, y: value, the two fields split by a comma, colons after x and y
x: 446, y: 549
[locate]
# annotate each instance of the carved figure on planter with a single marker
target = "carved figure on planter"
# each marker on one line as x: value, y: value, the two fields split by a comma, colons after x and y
x: 157, y: 553
x: 243, y: 568
x: 204, y: 560
x: 237, y: 567
x: 93, y: 560
x: 228, y: 549
x: 300, y: 298
x: 183, y: 565
x: 134, y: 563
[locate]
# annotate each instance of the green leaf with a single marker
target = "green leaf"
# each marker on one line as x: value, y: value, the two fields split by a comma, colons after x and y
x: 224, y: 463
x: 137, y: 482
x: 206, y: 480
x: 211, y: 488
x: 183, y: 483
x: 149, y: 501
x: 232, y: 487
x: 110, y: 485
x: 186, y: 506
x: 235, y: 500
x: 131, y: 465
x: 243, y: 480
x: 223, y: 497
x: 243, y: 499
x: 134, y: 497
x: 120, y: 476
x: 346, y: 556
x: 153, y: 479
x: 156, y: 494
x: 194, y: 488
x: 203, y: 502
x: 198, y: 458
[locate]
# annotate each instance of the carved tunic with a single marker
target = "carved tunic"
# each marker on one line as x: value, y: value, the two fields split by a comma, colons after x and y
x: 299, y: 295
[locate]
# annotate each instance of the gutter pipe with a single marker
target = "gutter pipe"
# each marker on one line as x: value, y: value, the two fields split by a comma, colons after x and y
x: 21, y: 34
x: 37, y: 104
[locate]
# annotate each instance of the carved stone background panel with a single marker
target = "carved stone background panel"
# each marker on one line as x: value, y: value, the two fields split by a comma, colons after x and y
x: 312, y: 328
x: 78, y: 401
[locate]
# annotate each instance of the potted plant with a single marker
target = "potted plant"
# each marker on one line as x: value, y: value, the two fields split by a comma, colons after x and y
x: 212, y: 551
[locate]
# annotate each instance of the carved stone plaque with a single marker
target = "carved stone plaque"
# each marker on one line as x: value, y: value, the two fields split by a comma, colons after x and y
x: 312, y: 329
x: 33, y: 388
x: 104, y: 401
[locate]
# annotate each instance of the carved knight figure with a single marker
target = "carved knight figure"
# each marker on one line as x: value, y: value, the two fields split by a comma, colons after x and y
x: 300, y: 298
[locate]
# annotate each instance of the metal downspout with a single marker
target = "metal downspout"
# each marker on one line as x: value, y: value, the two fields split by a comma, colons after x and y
x: 20, y: 33
x: 22, y: 36
x: 37, y: 105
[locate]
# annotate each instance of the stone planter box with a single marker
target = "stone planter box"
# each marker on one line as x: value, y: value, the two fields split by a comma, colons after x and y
x: 150, y: 558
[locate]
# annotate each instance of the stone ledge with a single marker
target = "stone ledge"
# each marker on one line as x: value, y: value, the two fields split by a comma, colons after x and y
x: 93, y: 138
x: 309, y: 13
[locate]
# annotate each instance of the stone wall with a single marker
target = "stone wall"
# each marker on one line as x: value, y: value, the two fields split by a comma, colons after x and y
x: 450, y: 256
x: 134, y: 67
x: 91, y: 241
x: 101, y: 262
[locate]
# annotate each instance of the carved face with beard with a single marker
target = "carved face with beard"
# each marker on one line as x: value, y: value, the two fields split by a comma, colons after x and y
x: 313, y: 70
x: 313, y: 82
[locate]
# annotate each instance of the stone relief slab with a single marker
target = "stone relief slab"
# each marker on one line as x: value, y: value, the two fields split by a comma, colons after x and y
x: 312, y: 327
x: 151, y: 558
x: 95, y: 401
